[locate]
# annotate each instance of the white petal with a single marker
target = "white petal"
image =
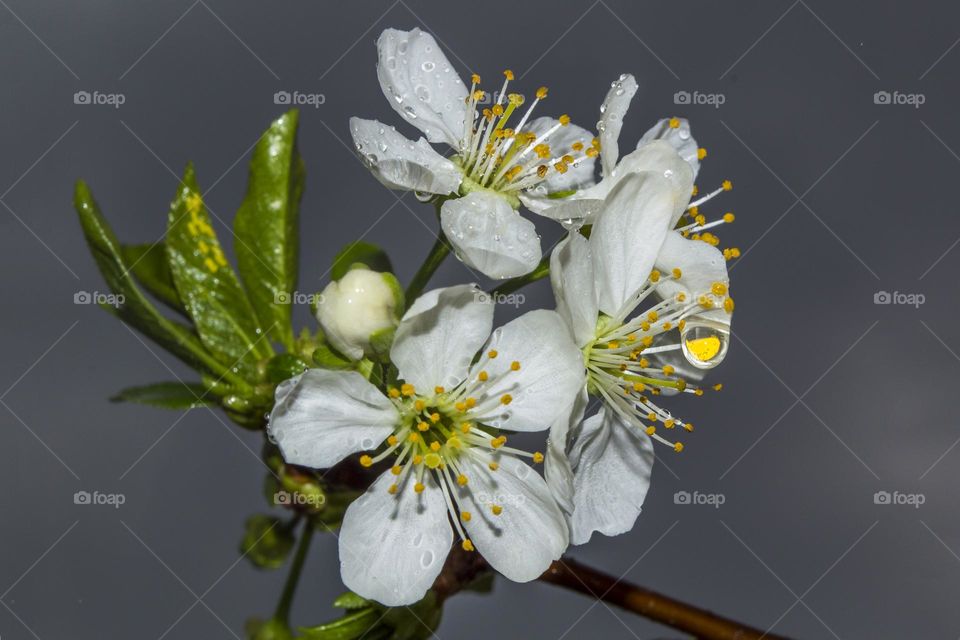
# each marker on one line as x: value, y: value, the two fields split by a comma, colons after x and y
x: 529, y: 533
x: 577, y: 176
x: 550, y: 374
x: 614, y: 107
x: 392, y: 547
x: 678, y: 137
x: 421, y: 85
x: 439, y: 335
x: 577, y: 206
x: 322, y: 416
x: 627, y: 235
x: 612, y: 464
x: 571, y: 275
x: 400, y: 163
x: 700, y: 264
x: 660, y: 158
x: 557, y: 469
x: 490, y: 236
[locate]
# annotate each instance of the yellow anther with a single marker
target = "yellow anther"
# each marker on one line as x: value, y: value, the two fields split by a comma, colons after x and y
x: 393, y: 392
x: 577, y: 146
x: 496, y: 509
x: 670, y: 424
x: 727, y: 185
x: 462, y: 480
x: 651, y: 416
x: 465, y: 427
x: 438, y: 390
x: 728, y: 217
x: 644, y: 363
x: 561, y: 167
x: 366, y: 460
x: 688, y: 427
x: 418, y: 459
x: 432, y: 460
x: 652, y: 316
x: 460, y: 406
x: 667, y: 326
x: 423, y: 426
x: 496, y: 443
x: 678, y: 447
x: 471, y: 402
x: 564, y: 119
x: 705, y: 301
x: 718, y: 288
x: 592, y: 152
x: 475, y: 78
x: 466, y: 544
x: 515, y: 99
x: 542, y: 171
x: 413, y: 437
x: 392, y: 490
x: 728, y: 305
x: 543, y: 151
x: 454, y: 442
x: 645, y: 325
x: 396, y: 469
x: 537, y: 457
x: 508, y: 74
x: 419, y: 487
x: 674, y: 123
x: 493, y: 466
x: 681, y: 384
x: 541, y: 93
x: 681, y: 325
x: 465, y: 516
x: 654, y: 276
x: 419, y: 405
x: 483, y: 376
x: 492, y: 354
x: 650, y: 430
x: 701, y: 153
x: 434, y: 418
x: 718, y: 386
x: 647, y: 341
x: 392, y: 440
x: 408, y: 389
x: 701, y: 219
x: 668, y: 370
x: 639, y: 386
x: 613, y: 344
x: 677, y: 273
x: 434, y: 446
x: 506, y: 398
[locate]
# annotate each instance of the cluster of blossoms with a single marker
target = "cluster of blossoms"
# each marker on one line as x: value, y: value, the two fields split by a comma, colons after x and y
x: 642, y: 312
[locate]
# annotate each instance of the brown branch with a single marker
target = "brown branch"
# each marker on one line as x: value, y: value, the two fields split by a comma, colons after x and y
x: 570, y: 574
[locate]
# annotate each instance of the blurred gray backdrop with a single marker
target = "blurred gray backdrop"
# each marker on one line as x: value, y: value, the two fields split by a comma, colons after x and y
x: 836, y: 123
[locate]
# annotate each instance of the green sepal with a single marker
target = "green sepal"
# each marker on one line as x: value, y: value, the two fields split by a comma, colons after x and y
x: 349, y: 627
x: 350, y: 601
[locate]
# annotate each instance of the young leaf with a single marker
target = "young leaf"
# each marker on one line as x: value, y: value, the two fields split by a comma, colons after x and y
x: 168, y: 395
x: 208, y: 286
x: 363, y: 252
x: 148, y: 262
x: 136, y: 310
x: 266, y: 226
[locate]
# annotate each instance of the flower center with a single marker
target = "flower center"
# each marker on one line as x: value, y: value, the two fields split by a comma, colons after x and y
x: 511, y: 159
x: 625, y: 363
x: 440, y: 434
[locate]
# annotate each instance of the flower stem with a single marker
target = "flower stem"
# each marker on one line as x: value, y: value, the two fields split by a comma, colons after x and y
x: 438, y: 253
x: 569, y: 574
x: 282, y: 613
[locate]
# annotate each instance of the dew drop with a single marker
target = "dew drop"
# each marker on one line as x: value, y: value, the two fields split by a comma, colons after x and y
x: 426, y: 559
x: 428, y: 66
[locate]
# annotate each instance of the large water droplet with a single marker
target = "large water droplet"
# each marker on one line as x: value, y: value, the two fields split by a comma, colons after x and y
x: 704, y: 342
x: 427, y: 559
x: 428, y: 66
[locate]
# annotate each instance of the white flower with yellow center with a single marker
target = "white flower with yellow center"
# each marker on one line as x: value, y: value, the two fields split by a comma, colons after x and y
x: 450, y: 469
x: 500, y: 155
x: 651, y: 311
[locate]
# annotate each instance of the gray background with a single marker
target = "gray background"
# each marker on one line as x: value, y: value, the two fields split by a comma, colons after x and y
x: 829, y: 398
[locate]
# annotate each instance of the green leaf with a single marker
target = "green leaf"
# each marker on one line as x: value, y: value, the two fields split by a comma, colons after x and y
x: 326, y: 358
x: 148, y: 263
x: 208, y: 286
x: 267, y: 227
x: 350, y: 626
x: 365, y: 253
x: 169, y: 395
x: 416, y: 622
x: 267, y: 541
x: 350, y: 601
x: 136, y: 310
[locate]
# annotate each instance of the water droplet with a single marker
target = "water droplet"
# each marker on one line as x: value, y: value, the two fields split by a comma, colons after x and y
x: 410, y: 113
x: 367, y: 443
x: 427, y: 558
x: 422, y: 92
x: 704, y: 342
x: 428, y: 66
x: 683, y: 133
x: 418, y: 540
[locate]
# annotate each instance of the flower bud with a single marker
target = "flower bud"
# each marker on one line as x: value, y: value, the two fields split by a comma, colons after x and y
x: 360, y: 304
